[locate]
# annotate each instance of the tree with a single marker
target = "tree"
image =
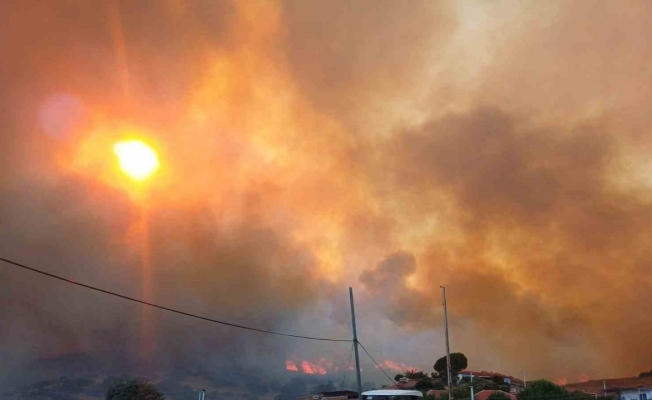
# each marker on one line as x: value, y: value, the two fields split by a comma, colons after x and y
x: 542, y: 388
x: 133, y: 390
x: 645, y: 374
x: 424, y: 382
x: 458, y: 363
x: 483, y: 384
x: 415, y: 375
x: 424, y: 385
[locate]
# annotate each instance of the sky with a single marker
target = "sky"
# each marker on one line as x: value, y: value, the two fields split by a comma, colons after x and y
x: 500, y: 149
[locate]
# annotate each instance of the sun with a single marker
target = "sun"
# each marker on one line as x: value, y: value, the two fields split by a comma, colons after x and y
x: 136, y: 158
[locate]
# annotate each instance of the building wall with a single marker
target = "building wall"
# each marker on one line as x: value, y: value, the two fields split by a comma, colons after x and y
x: 636, y: 394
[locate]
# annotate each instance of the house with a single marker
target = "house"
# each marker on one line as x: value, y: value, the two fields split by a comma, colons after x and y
x: 602, y: 387
x: 631, y: 393
x: 484, y: 394
x: 516, y: 385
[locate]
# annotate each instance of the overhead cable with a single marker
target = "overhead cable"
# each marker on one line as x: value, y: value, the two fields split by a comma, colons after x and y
x: 16, y: 264
x: 377, y: 365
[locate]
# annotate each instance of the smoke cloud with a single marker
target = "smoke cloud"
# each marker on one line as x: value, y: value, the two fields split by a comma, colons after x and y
x: 500, y: 150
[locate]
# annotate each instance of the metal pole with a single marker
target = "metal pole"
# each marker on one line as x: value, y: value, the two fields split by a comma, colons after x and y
x: 448, y: 350
x: 355, y: 345
x: 524, y: 381
x: 472, y: 390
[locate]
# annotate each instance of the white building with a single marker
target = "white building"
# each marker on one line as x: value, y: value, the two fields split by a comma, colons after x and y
x: 631, y: 393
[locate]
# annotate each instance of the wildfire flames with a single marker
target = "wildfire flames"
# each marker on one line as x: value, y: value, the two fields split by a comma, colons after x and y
x: 396, y: 367
x: 291, y: 366
x: 321, y: 366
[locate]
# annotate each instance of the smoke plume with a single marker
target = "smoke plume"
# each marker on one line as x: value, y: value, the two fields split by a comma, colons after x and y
x: 500, y: 150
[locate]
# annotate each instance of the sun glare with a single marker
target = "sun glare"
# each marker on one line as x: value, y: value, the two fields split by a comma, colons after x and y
x: 136, y: 159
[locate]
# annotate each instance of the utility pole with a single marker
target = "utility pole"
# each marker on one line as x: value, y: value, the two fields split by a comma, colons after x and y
x: 448, y: 349
x: 524, y: 381
x: 472, y: 389
x: 355, y: 345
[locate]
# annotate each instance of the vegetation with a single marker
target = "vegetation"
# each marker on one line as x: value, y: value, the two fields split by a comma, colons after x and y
x: 480, y: 384
x: 459, y: 392
x: 548, y: 390
x: 424, y: 381
x: 645, y: 374
x: 458, y: 363
x: 416, y: 375
x: 133, y: 390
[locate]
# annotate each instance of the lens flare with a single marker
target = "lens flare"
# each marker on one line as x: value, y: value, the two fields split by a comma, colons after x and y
x: 136, y: 159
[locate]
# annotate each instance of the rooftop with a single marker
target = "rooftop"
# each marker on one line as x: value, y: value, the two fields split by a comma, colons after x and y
x: 597, y: 386
x: 484, y: 394
x: 489, y: 374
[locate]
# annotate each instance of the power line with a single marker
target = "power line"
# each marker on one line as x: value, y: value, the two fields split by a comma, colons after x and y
x: 346, y: 368
x: 14, y: 263
x: 377, y: 365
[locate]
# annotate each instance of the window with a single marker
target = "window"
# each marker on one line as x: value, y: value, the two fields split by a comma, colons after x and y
x: 642, y: 396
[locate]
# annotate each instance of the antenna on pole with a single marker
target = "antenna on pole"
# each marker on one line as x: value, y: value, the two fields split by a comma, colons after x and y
x: 448, y: 350
x: 355, y: 345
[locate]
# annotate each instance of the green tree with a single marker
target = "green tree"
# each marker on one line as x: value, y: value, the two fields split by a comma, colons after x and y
x: 416, y: 375
x: 424, y: 385
x: 483, y: 384
x: 133, y: 390
x: 459, y: 392
x: 424, y: 382
x: 398, y: 377
x: 542, y: 388
x: 458, y: 363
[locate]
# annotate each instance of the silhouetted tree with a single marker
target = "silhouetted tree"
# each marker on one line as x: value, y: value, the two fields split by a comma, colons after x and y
x: 133, y: 390
x: 458, y: 363
x: 416, y: 375
x: 543, y: 388
x: 645, y: 374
